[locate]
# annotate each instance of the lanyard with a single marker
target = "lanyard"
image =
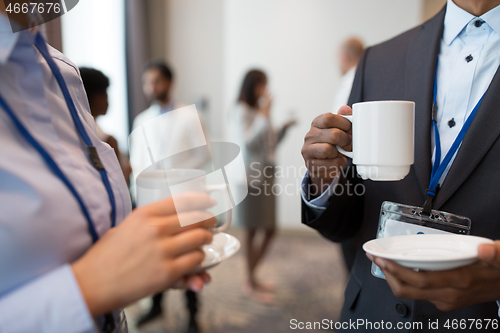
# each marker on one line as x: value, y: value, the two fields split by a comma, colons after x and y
x: 42, y: 48
x: 439, y: 167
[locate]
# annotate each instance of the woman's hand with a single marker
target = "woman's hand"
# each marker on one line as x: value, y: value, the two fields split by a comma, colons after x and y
x: 147, y: 253
x: 291, y: 122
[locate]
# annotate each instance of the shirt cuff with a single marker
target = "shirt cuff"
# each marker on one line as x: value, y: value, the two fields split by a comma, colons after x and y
x: 51, y: 303
x: 319, y: 204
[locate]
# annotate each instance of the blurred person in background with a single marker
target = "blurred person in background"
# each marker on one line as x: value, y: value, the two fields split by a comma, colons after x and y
x: 253, y: 131
x: 158, y: 80
x: 96, y: 85
x: 350, y: 52
x: 72, y: 253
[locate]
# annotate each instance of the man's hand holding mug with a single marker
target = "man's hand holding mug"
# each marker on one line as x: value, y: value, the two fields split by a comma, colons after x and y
x: 380, y: 142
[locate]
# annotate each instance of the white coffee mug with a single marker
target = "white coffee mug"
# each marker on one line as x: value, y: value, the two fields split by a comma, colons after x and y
x: 156, y: 185
x: 382, y: 139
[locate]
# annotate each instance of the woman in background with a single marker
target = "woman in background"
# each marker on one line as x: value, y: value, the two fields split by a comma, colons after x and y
x: 252, y: 130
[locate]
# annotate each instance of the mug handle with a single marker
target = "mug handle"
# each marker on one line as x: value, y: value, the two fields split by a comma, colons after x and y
x: 342, y: 151
x: 223, y: 189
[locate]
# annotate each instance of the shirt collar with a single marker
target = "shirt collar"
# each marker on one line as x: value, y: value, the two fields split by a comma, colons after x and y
x: 456, y: 19
x: 493, y: 18
x: 8, y: 39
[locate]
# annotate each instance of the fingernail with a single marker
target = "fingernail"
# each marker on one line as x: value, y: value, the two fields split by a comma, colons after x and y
x: 195, y: 288
x: 487, y: 252
x: 213, y: 201
x: 380, y: 263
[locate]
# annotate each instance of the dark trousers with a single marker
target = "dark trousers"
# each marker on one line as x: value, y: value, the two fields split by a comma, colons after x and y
x: 191, y: 302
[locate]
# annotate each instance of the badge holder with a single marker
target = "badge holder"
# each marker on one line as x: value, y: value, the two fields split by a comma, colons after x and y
x: 398, y: 219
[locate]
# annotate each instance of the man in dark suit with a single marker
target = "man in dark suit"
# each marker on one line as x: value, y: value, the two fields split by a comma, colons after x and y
x: 404, y: 68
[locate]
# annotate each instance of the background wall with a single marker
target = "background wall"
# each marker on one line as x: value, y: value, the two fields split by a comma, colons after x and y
x: 93, y: 37
x: 431, y: 7
x: 212, y: 43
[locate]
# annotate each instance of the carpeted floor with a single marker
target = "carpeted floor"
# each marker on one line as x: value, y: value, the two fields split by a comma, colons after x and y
x: 307, y: 270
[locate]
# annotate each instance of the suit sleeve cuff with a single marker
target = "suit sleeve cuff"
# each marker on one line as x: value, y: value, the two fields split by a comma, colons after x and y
x: 319, y: 204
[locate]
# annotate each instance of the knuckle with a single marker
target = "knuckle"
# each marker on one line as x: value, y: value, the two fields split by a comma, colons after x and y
x: 161, y: 250
x: 465, y: 282
x: 422, y: 284
x: 441, y: 306
x: 316, y: 120
x: 446, y: 307
x: 202, y: 236
x: 154, y: 231
x: 328, y: 117
x: 323, y: 151
x: 141, y: 213
x: 313, y: 132
x: 398, y: 291
x: 304, y: 151
x: 199, y: 256
x: 335, y: 135
x: 167, y: 271
x: 309, y: 135
x: 207, y: 237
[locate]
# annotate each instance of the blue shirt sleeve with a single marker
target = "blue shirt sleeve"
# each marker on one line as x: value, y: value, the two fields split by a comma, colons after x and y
x: 319, y: 204
x: 51, y: 303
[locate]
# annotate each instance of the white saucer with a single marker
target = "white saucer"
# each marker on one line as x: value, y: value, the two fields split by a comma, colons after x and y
x: 436, y: 252
x: 222, y: 247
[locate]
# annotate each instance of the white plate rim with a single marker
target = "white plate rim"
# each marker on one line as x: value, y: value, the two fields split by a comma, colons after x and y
x: 222, y: 256
x: 395, y: 257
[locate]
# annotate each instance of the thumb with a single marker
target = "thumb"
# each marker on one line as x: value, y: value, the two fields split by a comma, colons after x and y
x: 489, y: 253
x: 345, y: 110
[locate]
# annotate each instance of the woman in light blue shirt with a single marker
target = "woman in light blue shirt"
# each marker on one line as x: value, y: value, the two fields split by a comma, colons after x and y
x: 62, y: 267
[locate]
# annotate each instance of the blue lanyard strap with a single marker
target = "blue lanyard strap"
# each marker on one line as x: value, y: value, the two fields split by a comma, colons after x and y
x: 50, y: 163
x: 42, y: 47
x: 439, y: 167
x: 94, y: 157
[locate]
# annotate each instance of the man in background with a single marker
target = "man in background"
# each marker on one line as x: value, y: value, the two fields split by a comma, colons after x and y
x: 157, y: 83
x: 350, y: 52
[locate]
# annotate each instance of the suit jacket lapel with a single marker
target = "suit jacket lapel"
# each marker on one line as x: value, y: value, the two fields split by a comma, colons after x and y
x: 482, y: 134
x: 421, y: 63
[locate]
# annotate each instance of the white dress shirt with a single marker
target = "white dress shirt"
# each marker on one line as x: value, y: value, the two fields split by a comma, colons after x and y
x: 460, y: 83
x: 181, y: 131
x: 178, y: 134
x: 344, y: 89
x: 42, y: 228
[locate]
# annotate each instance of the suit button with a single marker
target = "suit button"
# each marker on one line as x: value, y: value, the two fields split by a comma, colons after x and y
x: 401, y: 309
